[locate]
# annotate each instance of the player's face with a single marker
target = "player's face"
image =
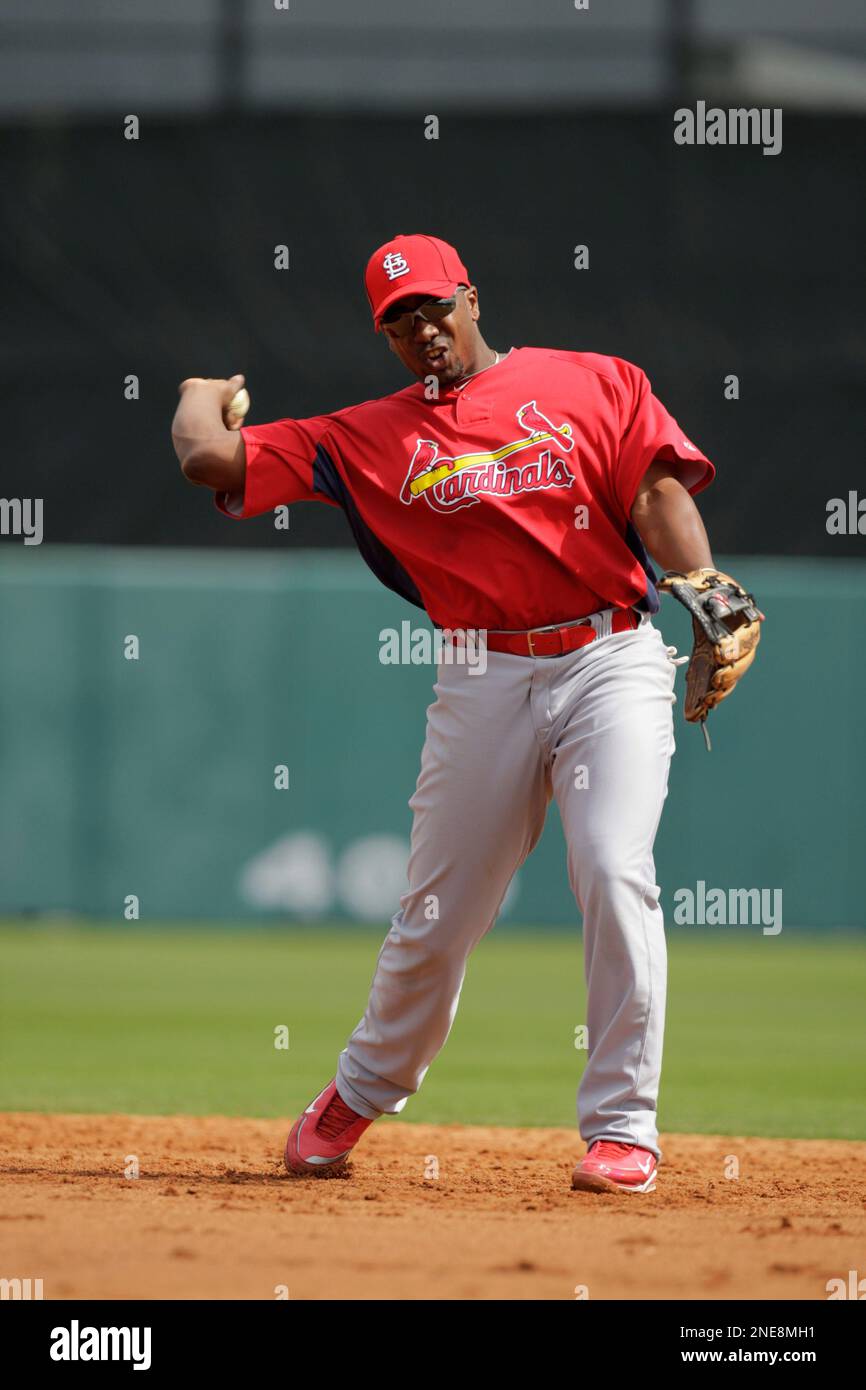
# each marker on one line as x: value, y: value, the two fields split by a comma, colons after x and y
x: 446, y: 349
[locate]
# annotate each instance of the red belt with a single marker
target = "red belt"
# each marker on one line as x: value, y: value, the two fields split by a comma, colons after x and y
x: 556, y: 641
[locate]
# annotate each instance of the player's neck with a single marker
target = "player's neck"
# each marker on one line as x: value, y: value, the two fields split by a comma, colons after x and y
x: 479, y: 362
x: 484, y: 357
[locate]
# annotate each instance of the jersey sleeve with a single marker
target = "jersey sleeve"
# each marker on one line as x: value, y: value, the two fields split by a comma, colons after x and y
x: 650, y: 432
x: 279, y: 466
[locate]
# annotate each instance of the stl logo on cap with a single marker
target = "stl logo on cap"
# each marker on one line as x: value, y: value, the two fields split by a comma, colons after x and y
x: 395, y: 264
x: 419, y: 264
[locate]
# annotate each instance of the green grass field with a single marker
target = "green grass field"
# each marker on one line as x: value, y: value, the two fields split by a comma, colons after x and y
x: 764, y: 1035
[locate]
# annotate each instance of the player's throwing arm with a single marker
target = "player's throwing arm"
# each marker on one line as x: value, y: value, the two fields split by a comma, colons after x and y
x: 205, y: 431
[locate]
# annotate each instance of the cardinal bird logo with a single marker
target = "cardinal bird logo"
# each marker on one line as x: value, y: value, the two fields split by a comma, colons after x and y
x: 447, y: 484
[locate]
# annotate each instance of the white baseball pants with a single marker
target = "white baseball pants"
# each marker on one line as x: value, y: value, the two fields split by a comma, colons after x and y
x: 499, y: 746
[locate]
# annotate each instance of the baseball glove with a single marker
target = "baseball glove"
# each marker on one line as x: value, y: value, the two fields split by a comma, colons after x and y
x: 726, y: 623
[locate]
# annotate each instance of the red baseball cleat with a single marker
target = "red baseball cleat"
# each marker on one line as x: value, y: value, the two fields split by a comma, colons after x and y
x: 322, y: 1138
x: 611, y: 1167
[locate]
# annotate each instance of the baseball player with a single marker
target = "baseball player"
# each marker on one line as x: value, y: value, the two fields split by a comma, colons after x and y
x: 517, y: 495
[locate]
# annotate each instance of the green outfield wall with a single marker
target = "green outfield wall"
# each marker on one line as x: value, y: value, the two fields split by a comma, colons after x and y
x: 153, y: 778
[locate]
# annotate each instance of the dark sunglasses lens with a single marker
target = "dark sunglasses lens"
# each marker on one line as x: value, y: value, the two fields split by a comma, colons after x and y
x: 433, y: 311
x: 438, y: 309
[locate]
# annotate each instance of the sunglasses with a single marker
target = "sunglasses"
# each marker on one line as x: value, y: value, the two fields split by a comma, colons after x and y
x: 399, y: 324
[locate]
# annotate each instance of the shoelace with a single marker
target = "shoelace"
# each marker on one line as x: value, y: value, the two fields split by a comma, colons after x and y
x: 609, y: 1148
x: 337, y: 1117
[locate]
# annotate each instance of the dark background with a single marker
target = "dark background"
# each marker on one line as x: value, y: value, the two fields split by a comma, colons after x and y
x: 156, y: 257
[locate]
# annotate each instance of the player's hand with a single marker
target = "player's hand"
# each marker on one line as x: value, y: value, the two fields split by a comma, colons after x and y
x: 727, y: 628
x: 224, y: 390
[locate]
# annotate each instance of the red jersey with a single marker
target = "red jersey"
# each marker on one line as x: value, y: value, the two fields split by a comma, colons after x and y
x: 504, y: 502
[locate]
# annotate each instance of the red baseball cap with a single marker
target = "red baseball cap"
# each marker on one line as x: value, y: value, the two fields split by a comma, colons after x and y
x: 411, y: 265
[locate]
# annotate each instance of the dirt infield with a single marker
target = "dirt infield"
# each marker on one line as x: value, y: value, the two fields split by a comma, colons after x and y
x: 212, y: 1215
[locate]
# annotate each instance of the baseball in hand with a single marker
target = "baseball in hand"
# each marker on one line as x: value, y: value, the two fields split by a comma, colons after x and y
x: 239, y: 404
